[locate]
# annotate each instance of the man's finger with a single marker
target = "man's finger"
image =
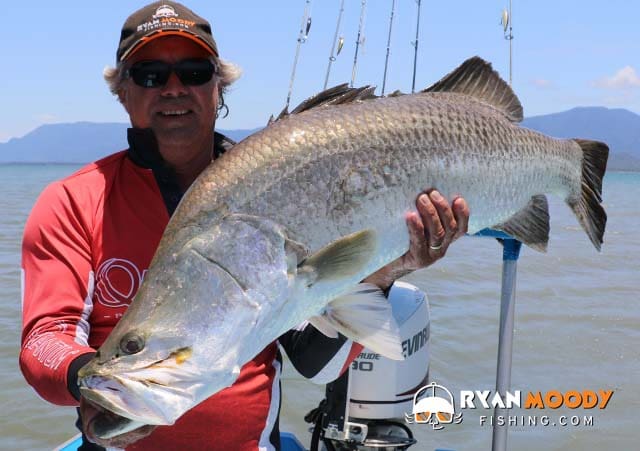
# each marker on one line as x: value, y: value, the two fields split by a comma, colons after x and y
x: 417, y: 241
x: 445, y: 214
x: 461, y: 213
x: 431, y: 219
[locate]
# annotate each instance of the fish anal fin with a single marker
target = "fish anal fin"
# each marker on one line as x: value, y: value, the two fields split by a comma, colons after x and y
x: 342, y: 258
x: 364, y: 314
x: 323, y: 325
x: 530, y: 225
x: 475, y: 77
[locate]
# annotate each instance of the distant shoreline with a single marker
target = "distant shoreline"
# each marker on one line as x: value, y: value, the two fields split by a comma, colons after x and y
x: 36, y: 163
x: 58, y: 163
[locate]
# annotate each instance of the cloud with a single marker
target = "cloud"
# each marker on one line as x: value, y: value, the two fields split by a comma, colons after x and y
x: 542, y: 83
x: 625, y: 78
x: 620, y: 100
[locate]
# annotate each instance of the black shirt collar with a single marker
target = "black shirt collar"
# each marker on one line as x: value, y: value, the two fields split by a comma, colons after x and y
x: 143, y: 151
x: 143, y: 147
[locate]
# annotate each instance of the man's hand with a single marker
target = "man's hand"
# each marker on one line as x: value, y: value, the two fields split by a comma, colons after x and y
x: 90, y: 413
x: 431, y: 230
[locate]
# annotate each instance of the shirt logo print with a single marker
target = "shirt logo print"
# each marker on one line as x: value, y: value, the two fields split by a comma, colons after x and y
x: 117, y: 281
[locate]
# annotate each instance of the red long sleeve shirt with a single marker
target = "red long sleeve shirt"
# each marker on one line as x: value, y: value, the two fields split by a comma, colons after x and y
x: 87, y: 245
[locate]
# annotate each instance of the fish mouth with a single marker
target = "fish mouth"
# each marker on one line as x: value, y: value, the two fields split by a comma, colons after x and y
x: 156, y: 394
x: 143, y: 401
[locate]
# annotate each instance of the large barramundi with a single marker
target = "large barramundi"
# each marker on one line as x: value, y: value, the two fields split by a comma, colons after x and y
x: 297, y: 214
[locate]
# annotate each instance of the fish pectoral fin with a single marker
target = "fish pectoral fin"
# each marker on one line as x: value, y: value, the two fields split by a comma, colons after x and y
x: 340, y: 259
x: 323, y: 325
x: 476, y: 78
x: 364, y: 314
x: 296, y: 252
x: 530, y: 225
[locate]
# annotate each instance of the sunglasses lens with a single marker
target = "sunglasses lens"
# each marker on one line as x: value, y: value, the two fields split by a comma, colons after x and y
x: 155, y: 74
x: 194, y: 72
x: 150, y: 74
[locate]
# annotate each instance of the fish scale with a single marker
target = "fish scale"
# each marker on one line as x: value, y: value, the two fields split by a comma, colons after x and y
x: 308, y: 173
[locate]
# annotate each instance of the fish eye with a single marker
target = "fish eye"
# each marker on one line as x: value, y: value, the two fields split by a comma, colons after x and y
x: 131, y: 343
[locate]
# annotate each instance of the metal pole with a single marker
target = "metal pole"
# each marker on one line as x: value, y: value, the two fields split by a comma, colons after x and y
x: 510, y: 254
x: 386, y: 60
x: 510, y: 45
x: 355, y: 58
x: 302, y: 38
x: 415, y: 54
x: 507, y: 21
x: 332, y: 58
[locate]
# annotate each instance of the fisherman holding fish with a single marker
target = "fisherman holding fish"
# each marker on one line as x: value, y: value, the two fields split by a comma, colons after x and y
x: 91, y: 237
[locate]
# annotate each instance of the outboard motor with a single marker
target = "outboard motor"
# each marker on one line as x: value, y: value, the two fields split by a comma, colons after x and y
x: 365, y: 408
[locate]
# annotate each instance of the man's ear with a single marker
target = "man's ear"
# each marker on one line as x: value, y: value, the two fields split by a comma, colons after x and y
x: 122, y: 96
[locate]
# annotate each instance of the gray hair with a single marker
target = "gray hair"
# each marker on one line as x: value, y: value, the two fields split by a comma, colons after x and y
x: 227, y: 73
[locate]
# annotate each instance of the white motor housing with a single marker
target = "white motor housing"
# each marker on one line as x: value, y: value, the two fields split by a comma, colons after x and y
x: 381, y: 388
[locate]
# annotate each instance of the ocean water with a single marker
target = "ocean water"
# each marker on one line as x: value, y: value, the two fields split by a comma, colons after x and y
x: 577, y: 327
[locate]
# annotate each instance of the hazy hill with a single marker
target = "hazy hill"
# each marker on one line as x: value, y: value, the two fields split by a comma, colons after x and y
x: 79, y: 142
x: 619, y: 128
x: 85, y: 141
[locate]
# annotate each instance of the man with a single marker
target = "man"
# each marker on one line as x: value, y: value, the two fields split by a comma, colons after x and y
x: 91, y: 236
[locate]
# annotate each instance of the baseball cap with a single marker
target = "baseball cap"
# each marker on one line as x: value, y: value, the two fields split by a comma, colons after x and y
x: 160, y: 19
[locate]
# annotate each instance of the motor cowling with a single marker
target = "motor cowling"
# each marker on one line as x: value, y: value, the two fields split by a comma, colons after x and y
x: 364, y: 409
x: 382, y: 388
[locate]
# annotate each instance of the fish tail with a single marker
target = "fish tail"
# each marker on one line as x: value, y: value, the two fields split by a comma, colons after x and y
x: 587, y: 206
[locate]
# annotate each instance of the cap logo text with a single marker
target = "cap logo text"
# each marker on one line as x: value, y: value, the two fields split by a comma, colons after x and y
x: 165, y: 11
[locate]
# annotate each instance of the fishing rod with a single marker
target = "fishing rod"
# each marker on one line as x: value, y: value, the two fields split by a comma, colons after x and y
x: 415, y: 45
x: 386, y: 60
x: 332, y: 58
x: 305, y: 26
x: 358, y: 41
x: 506, y: 22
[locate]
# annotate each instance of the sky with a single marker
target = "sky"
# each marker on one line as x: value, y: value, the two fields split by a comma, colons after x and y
x: 566, y: 53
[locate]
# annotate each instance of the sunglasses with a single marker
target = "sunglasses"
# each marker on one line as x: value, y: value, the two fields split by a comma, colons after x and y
x: 155, y: 74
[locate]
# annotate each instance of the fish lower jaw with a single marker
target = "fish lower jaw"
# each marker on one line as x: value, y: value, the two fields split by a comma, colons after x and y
x: 102, y: 401
x: 116, y: 398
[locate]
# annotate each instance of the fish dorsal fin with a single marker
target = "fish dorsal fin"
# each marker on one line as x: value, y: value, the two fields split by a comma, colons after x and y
x: 530, y: 225
x: 475, y: 77
x: 333, y: 96
x: 396, y: 93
